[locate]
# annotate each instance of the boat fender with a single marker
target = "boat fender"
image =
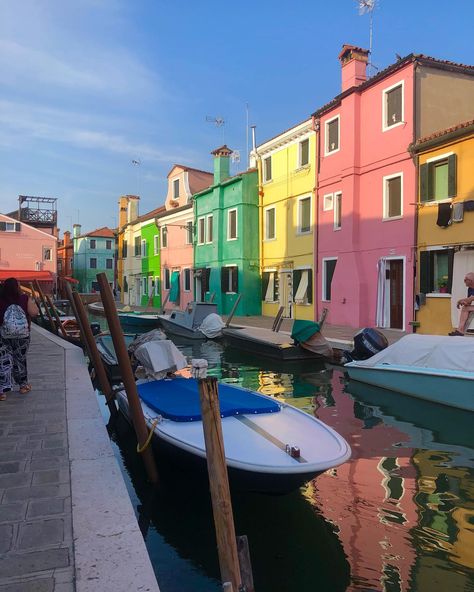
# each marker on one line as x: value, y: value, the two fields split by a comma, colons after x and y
x: 293, y: 451
x: 199, y: 368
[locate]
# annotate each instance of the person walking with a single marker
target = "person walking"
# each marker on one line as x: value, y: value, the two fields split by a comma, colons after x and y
x: 466, y: 305
x: 16, y: 311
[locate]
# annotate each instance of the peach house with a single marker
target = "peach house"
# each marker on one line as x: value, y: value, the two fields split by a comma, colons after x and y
x: 367, y: 182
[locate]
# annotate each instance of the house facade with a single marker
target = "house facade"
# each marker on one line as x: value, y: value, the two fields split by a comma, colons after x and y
x: 287, y: 171
x: 445, y: 225
x: 151, y: 262
x: 128, y: 211
x: 65, y: 259
x: 175, y: 229
x: 226, y: 256
x: 367, y: 186
x: 94, y: 253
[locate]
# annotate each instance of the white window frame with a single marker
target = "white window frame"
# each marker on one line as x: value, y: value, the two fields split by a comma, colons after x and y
x: 264, y: 172
x: 164, y: 237
x: 229, y: 278
x: 184, y: 270
x: 176, y: 184
x: 386, y: 127
x: 299, y: 214
x: 265, y: 212
x: 229, y: 212
x: 209, y: 219
x: 201, y: 230
x: 324, y: 260
x: 300, y: 150
x: 143, y: 248
x: 10, y: 227
x: 93, y: 243
x: 337, y: 207
x: 386, y: 179
x: 45, y: 251
x: 328, y: 202
x: 189, y: 232
x: 328, y: 152
x: 156, y: 290
x: 156, y: 245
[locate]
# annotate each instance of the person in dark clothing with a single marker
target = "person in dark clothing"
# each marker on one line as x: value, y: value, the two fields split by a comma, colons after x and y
x: 13, y: 349
x: 466, y: 305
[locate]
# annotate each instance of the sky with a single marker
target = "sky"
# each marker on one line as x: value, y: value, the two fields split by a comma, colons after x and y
x: 89, y: 86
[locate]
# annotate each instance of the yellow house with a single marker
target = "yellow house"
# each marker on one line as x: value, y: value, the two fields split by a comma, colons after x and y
x: 445, y: 233
x: 287, y: 176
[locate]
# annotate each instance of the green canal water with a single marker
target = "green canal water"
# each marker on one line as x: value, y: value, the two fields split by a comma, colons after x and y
x: 399, y: 516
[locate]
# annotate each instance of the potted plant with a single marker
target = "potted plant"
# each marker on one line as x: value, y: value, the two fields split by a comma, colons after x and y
x: 443, y: 284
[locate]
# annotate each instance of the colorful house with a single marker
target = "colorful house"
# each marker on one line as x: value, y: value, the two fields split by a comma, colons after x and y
x: 27, y: 253
x: 367, y: 187
x: 175, y: 226
x: 94, y: 253
x: 286, y: 167
x: 128, y: 211
x: 226, y: 259
x: 445, y: 225
x: 150, y: 257
x: 65, y: 259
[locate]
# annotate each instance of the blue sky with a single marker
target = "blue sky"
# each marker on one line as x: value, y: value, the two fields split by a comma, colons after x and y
x: 87, y: 86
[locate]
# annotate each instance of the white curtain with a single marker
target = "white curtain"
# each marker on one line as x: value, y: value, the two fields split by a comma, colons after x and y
x: 380, y: 318
x: 462, y: 264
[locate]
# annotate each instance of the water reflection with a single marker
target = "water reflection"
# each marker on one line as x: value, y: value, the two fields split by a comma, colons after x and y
x: 399, y: 516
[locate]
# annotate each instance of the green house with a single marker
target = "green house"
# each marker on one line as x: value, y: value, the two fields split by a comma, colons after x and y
x: 94, y: 252
x: 226, y: 252
x: 150, y: 258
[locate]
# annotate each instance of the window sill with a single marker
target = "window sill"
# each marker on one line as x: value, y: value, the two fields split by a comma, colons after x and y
x: 302, y: 167
x: 331, y: 152
x: 387, y: 128
x: 438, y: 295
x: 434, y: 202
x: 392, y: 218
x: 303, y: 232
x: 269, y: 240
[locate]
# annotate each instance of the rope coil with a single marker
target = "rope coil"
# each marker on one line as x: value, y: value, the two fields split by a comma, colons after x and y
x: 148, y: 440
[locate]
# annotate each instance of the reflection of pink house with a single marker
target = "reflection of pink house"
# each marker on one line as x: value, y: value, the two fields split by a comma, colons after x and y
x: 367, y: 184
x: 177, y: 235
x: 27, y: 253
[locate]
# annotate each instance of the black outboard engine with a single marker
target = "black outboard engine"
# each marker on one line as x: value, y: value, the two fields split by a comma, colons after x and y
x: 367, y: 342
x: 95, y: 328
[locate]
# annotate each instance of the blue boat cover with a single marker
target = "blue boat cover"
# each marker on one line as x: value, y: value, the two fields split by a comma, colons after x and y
x: 178, y: 399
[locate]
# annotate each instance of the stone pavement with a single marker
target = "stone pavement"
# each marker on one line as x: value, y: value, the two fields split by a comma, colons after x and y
x: 66, y: 521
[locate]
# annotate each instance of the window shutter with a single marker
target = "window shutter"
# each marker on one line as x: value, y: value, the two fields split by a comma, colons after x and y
x: 296, y: 280
x: 206, y: 278
x: 17, y: 227
x: 309, y: 293
x: 3, y: 225
x: 425, y: 272
x: 450, y: 269
x: 224, y: 279
x: 424, y: 173
x: 452, y: 175
x: 235, y: 279
x: 265, y: 280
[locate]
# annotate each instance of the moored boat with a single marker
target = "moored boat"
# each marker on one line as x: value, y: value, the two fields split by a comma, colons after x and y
x: 198, y: 321
x: 138, y: 319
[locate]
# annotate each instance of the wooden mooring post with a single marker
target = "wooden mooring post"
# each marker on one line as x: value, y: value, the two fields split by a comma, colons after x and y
x: 56, y: 316
x: 219, y: 482
x: 45, y: 306
x: 234, y: 308
x: 128, y: 378
x: 37, y: 302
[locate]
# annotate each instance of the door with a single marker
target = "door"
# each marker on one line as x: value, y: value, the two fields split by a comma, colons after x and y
x: 395, y: 293
x: 286, y: 292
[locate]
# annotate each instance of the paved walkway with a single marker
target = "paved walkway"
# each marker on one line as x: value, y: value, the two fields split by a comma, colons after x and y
x: 66, y: 521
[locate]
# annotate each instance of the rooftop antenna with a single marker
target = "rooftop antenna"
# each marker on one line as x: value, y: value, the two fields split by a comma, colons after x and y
x: 136, y: 163
x: 218, y: 122
x: 367, y: 7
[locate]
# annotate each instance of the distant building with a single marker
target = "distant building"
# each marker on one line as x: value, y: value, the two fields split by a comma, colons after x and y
x: 38, y: 212
x: 65, y: 258
x: 94, y: 252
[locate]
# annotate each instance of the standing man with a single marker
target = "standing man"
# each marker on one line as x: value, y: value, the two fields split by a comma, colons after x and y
x: 465, y: 304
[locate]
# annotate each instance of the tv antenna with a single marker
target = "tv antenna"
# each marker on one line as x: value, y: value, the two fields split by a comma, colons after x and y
x: 218, y: 122
x: 367, y: 7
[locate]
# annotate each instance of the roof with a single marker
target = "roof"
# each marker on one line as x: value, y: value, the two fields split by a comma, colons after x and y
x: 402, y: 62
x: 438, y: 137
x: 188, y: 168
x: 149, y: 215
x: 102, y: 232
x: 25, y: 275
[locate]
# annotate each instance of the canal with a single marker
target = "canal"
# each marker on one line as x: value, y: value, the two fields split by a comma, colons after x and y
x: 399, y: 516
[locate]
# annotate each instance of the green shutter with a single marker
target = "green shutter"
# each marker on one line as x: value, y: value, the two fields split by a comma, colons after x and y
x: 424, y: 176
x: 224, y: 279
x: 452, y: 175
x: 425, y: 272
x: 265, y: 280
x: 309, y: 292
x: 235, y: 279
x: 296, y: 280
x: 450, y: 269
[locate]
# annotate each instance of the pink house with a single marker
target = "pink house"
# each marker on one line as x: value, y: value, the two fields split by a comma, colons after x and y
x: 176, y: 226
x: 367, y: 182
x: 27, y: 253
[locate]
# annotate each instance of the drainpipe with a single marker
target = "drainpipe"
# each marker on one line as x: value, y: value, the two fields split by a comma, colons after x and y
x: 316, y: 129
x: 260, y: 198
x: 416, y: 160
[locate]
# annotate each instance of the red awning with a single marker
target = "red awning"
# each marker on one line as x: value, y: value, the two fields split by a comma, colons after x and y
x: 71, y: 280
x: 24, y: 275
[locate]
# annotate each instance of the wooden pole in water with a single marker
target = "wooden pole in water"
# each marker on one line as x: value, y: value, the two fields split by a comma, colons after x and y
x: 234, y: 308
x: 128, y: 378
x: 46, y: 307
x: 218, y: 479
x: 37, y: 302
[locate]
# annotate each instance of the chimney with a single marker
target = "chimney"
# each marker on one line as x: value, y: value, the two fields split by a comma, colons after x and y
x: 221, y: 164
x: 132, y: 207
x: 353, y: 66
x: 76, y: 230
x: 67, y: 238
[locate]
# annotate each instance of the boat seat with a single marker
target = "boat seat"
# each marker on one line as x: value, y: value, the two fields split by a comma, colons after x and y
x: 178, y: 399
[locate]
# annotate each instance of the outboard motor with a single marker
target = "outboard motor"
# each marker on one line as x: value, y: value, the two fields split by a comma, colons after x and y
x: 95, y: 328
x: 367, y: 343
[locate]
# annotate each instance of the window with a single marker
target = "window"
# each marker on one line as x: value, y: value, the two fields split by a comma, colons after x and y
x: 209, y: 229
x: 164, y: 237
x: 108, y: 244
x: 60, y: 265
x: 436, y: 270
x: 304, y: 153
x: 232, y: 225
x: 392, y: 106
x: 93, y: 263
x: 269, y: 292
x: 329, y: 265
x: 328, y: 201
x: 337, y: 211
x: 92, y: 245
x: 124, y: 249
x: 270, y: 223
x: 166, y: 276
x: 176, y: 189
x: 332, y: 135
x: 47, y: 254
x: 187, y: 279
x: 201, y: 231
x: 144, y: 285
x: 304, y: 215
x: 189, y: 232
x: 438, y: 178
x: 229, y: 279
x: 392, y: 196
x: 267, y: 169
x: 303, y: 280
x: 156, y: 245
x: 10, y: 226
x: 143, y: 250
x: 157, y: 286
x: 137, y: 247
x: 109, y: 264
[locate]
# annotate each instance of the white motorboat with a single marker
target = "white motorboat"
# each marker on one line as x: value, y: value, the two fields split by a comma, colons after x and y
x: 199, y: 320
